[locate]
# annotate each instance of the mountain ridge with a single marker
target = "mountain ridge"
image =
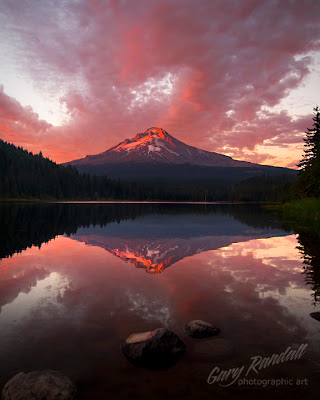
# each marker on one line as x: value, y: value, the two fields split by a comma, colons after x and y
x: 155, y: 145
x: 157, y: 159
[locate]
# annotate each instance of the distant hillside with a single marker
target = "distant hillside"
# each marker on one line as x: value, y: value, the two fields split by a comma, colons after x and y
x: 182, y: 175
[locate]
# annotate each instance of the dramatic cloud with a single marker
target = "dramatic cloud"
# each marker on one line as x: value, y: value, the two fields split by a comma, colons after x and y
x: 19, y: 123
x: 209, y: 72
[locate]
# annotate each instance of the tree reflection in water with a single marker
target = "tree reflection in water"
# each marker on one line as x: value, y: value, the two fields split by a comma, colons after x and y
x: 309, y: 247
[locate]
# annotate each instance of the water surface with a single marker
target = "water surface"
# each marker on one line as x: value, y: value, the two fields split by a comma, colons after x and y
x: 76, y: 279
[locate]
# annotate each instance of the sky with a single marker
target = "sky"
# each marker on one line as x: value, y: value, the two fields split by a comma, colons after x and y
x: 238, y: 77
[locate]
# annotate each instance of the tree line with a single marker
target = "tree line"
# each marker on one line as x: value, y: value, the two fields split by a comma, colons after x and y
x: 31, y: 176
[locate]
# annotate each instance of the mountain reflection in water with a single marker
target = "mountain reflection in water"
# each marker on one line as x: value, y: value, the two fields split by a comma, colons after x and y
x: 156, y: 242
x: 25, y: 225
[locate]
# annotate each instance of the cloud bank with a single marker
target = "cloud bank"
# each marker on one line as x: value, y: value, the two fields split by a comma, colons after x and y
x: 208, y: 72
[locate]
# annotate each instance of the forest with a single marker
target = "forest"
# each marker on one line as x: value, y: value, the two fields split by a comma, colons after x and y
x: 31, y: 176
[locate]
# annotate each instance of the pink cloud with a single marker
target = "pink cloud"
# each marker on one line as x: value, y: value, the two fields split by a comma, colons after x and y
x: 18, y: 123
x: 277, y: 129
x: 115, y: 61
x: 12, y: 111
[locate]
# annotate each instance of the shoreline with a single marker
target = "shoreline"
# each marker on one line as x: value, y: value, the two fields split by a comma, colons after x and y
x: 275, y: 204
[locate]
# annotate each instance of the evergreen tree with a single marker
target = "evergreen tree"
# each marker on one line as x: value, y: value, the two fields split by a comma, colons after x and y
x: 309, y: 176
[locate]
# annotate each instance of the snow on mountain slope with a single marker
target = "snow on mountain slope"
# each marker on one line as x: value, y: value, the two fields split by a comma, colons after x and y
x: 155, y: 145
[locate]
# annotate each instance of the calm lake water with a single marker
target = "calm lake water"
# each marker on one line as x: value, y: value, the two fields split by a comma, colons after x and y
x: 77, y: 279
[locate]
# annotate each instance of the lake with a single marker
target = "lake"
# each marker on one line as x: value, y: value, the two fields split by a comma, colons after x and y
x: 77, y: 279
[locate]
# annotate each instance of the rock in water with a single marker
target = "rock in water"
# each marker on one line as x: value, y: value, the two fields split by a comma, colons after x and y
x: 315, y: 315
x: 201, y: 329
x: 154, y: 349
x: 39, y: 385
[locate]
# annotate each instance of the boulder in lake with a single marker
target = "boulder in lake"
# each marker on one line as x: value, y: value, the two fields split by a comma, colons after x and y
x: 315, y: 315
x: 39, y: 385
x: 201, y: 329
x: 154, y: 349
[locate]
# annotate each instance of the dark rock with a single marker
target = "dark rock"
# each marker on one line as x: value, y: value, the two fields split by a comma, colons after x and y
x: 154, y: 349
x: 201, y: 329
x: 39, y: 385
x: 315, y: 315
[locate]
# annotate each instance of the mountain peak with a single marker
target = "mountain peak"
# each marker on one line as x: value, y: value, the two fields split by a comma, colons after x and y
x: 156, y: 131
x: 153, y: 132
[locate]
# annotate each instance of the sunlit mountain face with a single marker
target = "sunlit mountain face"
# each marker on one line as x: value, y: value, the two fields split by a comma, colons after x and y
x: 155, y: 145
x: 155, y: 243
x: 158, y: 158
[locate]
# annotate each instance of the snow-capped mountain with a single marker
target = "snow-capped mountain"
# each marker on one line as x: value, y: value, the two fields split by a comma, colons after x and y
x: 155, y: 145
